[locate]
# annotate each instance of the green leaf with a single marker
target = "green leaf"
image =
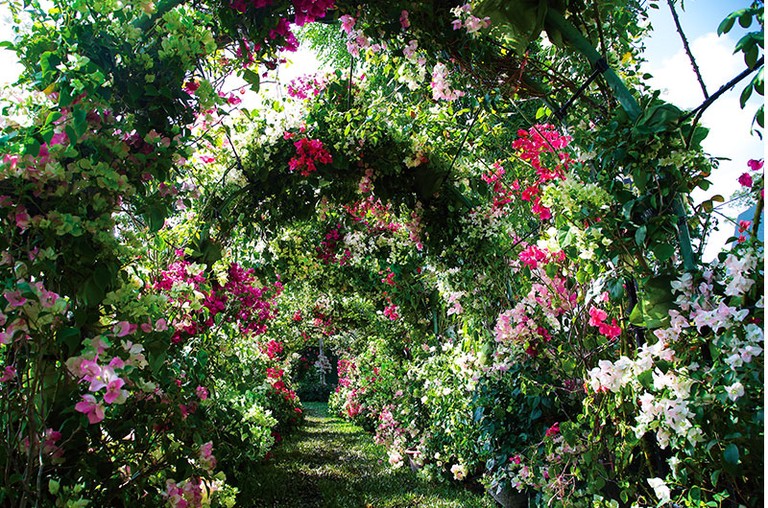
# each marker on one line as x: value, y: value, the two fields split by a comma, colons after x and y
x: 69, y: 337
x: 252, y: 78
x: 714, y: 477
x: 745, y: 95
x: 750, y: 56
x: 79, y: 121
x: 731, y: 454
x: 726, y: 25
x: 155, y: 216
x: 640, y: 235
x: 663, y: 251
x: 745, y: 19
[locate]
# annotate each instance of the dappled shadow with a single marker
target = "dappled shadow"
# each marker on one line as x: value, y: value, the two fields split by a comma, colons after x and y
x: 332, y: 464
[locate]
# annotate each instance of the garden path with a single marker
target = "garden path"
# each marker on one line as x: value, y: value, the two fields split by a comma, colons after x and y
x: 331, y: 463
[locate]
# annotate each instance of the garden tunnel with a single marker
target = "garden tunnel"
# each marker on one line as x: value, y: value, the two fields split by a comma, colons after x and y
x: 474, y: 231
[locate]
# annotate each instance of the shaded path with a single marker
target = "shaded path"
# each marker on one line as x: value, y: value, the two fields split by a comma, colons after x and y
x: 330, y: 463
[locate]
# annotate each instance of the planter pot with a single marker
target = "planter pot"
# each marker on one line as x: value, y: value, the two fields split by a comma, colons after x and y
x: 508, y: 497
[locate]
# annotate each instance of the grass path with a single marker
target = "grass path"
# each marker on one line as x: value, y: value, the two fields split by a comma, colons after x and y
x: 329, y: 463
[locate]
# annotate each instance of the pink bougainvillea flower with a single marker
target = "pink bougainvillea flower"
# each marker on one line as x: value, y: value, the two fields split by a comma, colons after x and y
x: 308, y: 153
x: 347, y: 23
x: 8, y: 373
x: 611, y: 331
x: 92, y: 409
x: 755, y: 165
x: 124, y: 328
x: 553, y: 430
x: 22, y: 218
x: 58, y: 139
x: 391, y: 312
x: 597, y: 316
x: 14, y: 298
x: 191, y: 86
x: 208, y: 461
x: 161, y: 325
x: 404, y: 21
x: 202, y: 392
x: 48, y: 298
x: 744, y: 225
x: 115, y: 393
x: 12, y: 160
x: 745, y: 180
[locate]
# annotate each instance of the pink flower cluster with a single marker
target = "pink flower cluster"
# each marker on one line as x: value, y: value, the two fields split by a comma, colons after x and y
x: 356, y: 39
x: 373, y: 214
x: 441, y: 87
x: 502, y: 194
x: 467, y: 20
x: 347, y: 370
x: 390, y: 311
x: 308, y: 153
x: 597, y: 318
x: 306, y: 86
x: 100, y: 376
x: 530, y: 321
x: 389, y: 429
x: 531, y: 146
x: 246, y: 304
x: 308, y: 11
x: 273, y: 348
x: 327, y: 250
x: 283, y: 30
x: 533, y: 257
x: 746, y: 179
x: 187, y: 494
x: 206, y: 458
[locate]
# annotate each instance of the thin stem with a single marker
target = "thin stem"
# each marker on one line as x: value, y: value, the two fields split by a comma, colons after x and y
x: 687, y: 48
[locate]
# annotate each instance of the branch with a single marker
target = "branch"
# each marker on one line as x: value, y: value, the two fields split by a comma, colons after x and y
x: 699, y: 110
x: 687, y: 48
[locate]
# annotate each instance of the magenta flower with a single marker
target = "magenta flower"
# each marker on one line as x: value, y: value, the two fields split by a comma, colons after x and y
x: 404, y: 21
x: 14, y: 298
x: 93, y: 410
x: 8, y: 374
x: 22, y: 218
x: 207, y: 460
x: 553, y: 430
x: 755, y: 165
x: 202, y: 392
x: 596, y: 316
x: 347, y: 23
x: 746, y: 180
x: 744, y: 225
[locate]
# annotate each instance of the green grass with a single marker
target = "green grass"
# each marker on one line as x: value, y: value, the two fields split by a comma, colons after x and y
x: 334, y: 464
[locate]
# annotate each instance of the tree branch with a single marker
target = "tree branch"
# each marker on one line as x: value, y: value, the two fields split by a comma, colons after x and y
x: 699, y: 110
x: 687, y: 48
